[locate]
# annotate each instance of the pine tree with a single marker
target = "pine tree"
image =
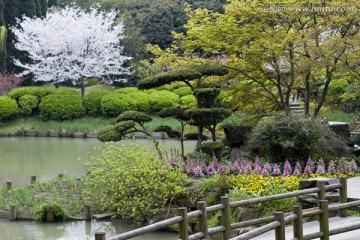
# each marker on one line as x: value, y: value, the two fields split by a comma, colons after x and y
x: 44, y: 6
x: 2, y: 19
x: 52, y: 3
x: 27, y: 8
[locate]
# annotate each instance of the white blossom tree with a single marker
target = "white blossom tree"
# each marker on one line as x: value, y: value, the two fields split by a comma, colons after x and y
x: 72, y: 44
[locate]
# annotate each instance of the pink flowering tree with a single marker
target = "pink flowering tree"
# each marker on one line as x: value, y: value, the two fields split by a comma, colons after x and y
x: 72, y: 44
x: 8, y: 82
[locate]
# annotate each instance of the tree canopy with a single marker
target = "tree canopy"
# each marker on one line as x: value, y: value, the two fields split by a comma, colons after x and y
x: 60, y: 52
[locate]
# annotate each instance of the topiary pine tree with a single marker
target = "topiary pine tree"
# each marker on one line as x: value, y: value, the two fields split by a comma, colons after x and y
x: 208, y: 113
x: 126, y: 124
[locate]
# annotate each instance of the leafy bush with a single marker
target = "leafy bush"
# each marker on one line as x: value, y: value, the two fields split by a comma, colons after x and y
x: 61, y: 107
x: 36, y: 91
x: 141, y: 101
x: 188, y: 100
x: 295, y: 138
x: 28, y: 103
x: 183, y: 91
x: 65, y: 91
x: 8, y: 107
x: 162, y: 99
x: 133, y: 182
x: 114, y: 104
x: 236, y: 134
x: 212, y: 148
x: 335, y: 91
x: 92, y: 101
x: 58, y: 210
x: 127, y: 90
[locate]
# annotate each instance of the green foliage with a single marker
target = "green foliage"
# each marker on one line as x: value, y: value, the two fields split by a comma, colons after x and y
x: 169, y: 77
x: 114, y: 104
x: 133, y: 182
x: 211, y: 70
x: 295, y: 138
x: 194, y: 136
x: 335, y: 91
x: 57, y: 209
x: 134, y: 116
x: 213, y: 188
x: 188, y: 100
x: 141, y: 100
x: 183, y: 91
x: 236, y: 134
x: 8, y: 107
x: 127, y: 90
x: 169, y: 131
x: 109, y: 134
x: 162, y: 99
x: 208, y: 116
x: 61, y: 107
x: 92, y: 101
x: 206, y: 97
x: 211, y: 148
x: 35, y: 91
x: 175, y: 112
x: 3, y: 37
x: 28, y: 103
x: 124, y: 126
x: 65, y: 91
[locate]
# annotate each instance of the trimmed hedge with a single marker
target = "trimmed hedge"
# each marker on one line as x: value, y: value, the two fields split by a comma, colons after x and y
x: 36, y: 91
x: 141, y: 101
x: 92, y: 101
x: 183, y: 91
x: 114, y: 104
x: 61, y: 107
x: 65, y: 91
x: 8, y: 107
x: 162, y: 99
x: 127, y: 90
x: 188, y: 100
x: 28, y: 103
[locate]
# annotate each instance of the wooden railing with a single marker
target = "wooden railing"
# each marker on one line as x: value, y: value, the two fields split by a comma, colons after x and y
x: 276, y: 222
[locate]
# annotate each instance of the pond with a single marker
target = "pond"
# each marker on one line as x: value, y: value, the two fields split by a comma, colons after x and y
x: 21, y: 158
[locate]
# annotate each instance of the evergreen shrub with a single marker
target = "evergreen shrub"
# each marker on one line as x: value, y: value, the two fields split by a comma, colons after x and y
x: 183, y: 91
x: 92, y: 101
x: 36, y: 91
x: 61, y: 107
x: 28, y: 103
x: 114, y: 104
x: 8, y: 107
x: 162, y: 99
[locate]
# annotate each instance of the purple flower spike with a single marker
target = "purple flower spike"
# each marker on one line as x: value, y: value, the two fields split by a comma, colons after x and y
x: 257, y: 166
x: 267, y: 170
x: 297, y: 170
x: 321, y: 166
x: 311, y: 165
x: 331, y: 167
x: 276, y: 170
x: 247, y: 167
x: 198, y: 173
x: 353, y: 165
x: 342, y: 165
x: 287, y: 168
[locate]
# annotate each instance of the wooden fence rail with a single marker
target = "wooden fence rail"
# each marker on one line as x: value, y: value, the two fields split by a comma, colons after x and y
x: 276, y: 222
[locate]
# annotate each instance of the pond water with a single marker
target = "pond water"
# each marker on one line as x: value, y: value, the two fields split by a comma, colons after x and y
x: 21, y: 158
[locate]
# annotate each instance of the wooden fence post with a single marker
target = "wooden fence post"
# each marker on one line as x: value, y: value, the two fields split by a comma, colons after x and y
x: 12, y: 213
x: 343, y: 195
x: 203, y: 226
x: 324, y: 220
x: 8, y: 184
x: 183, y: 225
x: 321, y: 193
x: 298, y: 223
x: 87, y: 213
x: 225, y: 217
x: 100, y: 236
x: 280, y: 231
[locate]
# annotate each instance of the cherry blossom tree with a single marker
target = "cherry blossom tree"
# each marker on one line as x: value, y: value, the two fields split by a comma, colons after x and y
x: 72, y: 44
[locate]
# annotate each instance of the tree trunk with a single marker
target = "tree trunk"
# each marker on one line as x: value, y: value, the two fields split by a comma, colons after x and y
x: 199, y: 140
x: 82, y: 88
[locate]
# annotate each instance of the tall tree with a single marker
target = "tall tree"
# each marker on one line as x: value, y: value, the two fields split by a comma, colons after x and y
x: 52, y: 3
x: 43, y: 4
x: 2, y: 18
x: 27, y: 8
x: 60, y: 52
x: 38, y: 10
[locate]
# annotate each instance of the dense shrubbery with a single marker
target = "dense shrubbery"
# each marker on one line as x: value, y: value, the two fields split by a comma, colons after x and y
x: 114, y: 104
x: 188, y: 100
x: 8, y: 107
x: 36, y: 91
x: 141, y: 101
x: 183, y: 91
x: 41, y: 212
x: 295, y: 138
x: 335, y: 91
x: 133, y: 182
x: 28, y: 103
x: 92, y: 101
x: 61, y: 107
x: 162, y: 99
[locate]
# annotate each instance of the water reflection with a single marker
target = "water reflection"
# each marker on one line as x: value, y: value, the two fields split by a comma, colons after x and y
x: 77, y: 230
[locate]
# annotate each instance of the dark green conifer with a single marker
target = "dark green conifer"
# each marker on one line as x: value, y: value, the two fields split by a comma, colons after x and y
x: 38, y: 11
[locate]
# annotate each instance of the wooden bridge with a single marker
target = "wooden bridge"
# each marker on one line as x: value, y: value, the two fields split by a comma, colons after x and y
x: 273, y: 227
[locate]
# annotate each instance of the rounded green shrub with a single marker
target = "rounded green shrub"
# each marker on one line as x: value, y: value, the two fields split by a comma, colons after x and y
x: 36, y: 91
x: 132, y: 181
x: 212, y: 148
x: 188, y: 100
x: 127, y: 90
x: 41, y: 212
x: 337, y: 87
x: 295, y: 138
x: 65, y: 91
x: 28, y: 103
x: 61, y: 107
x: 8, y: 107
x: 92, y: 101
x: 141, y: 100
x: 114, y: 104
x: 162, y: 99
x: 183, y: 91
